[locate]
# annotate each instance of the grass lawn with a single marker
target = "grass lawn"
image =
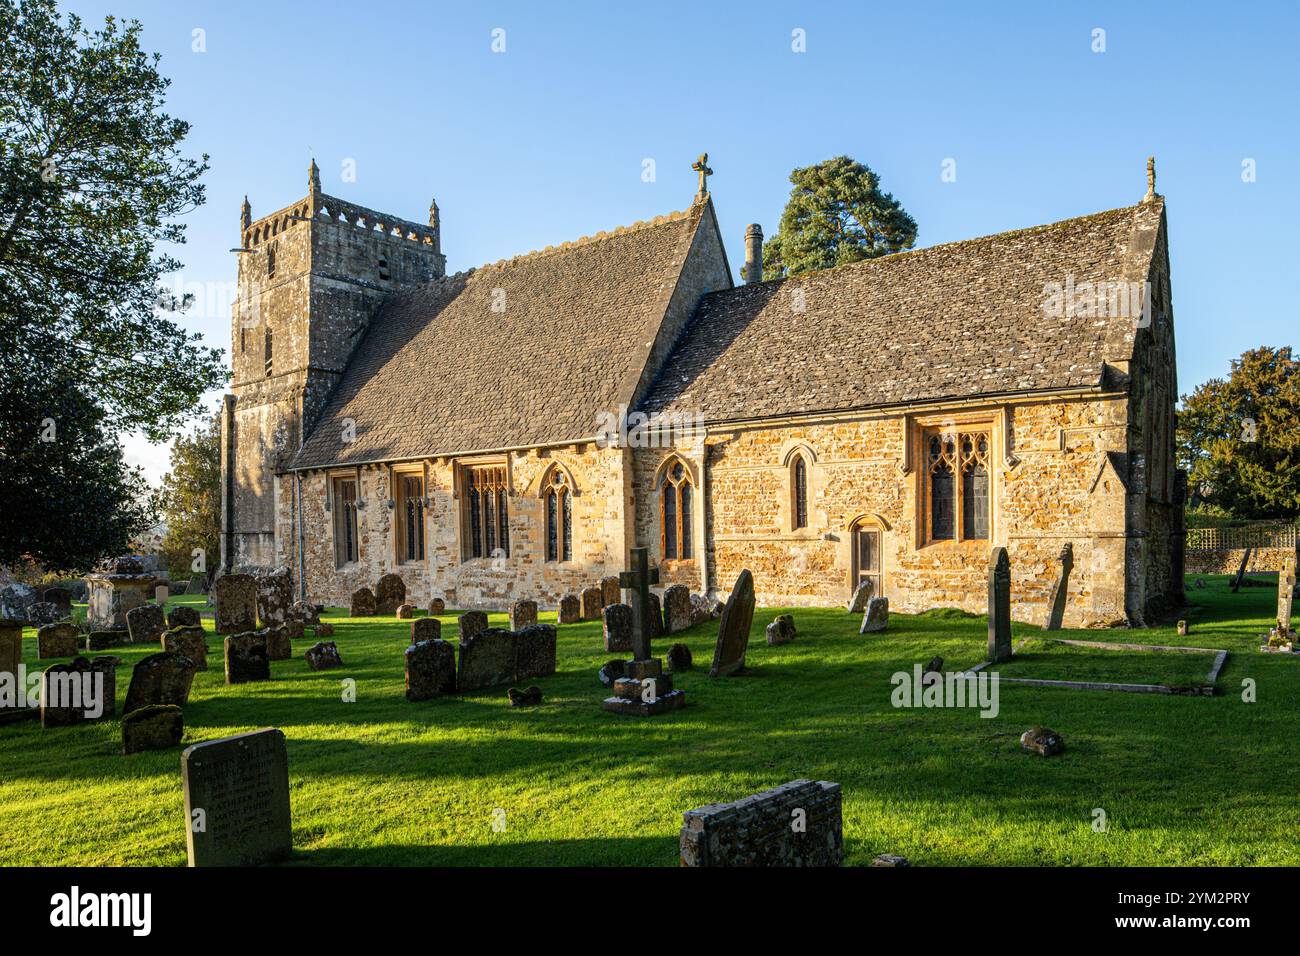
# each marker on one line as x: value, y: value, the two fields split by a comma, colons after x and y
x: 1197, y: 781
x: 1047, y: 660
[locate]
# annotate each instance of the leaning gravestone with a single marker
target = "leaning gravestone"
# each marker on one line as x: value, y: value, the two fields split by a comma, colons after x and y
x: 146, y: 623
x: 523, y: 614
x: 617, y: 627
x: 363, y: 603
x: 155, y: 727
x: 274, y: 595
x: 677, y: 608
x: 390, y: 594
x: 1285, y: 596
x: 235, y: 597
x: 237, y: 800
x: 1060, y: 590
x: 876, y: 616
x: 733, y: 629
x: 57, y: 640
x: 426, y: 629
x: 160, y: 679
x: 191, y: 642
x: 759, y: 830
x: 858, y: 603
x: 570, y: 609
x: 999, y: 606
x: 246, y: 658
x: 1241, y: 570
x: 430, y: 670
x: 610, y: 592
x: 472, y: 623
x: 592, y: 603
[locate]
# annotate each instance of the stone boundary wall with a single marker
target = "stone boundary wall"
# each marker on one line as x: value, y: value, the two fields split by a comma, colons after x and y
x: 762, y: 830
x: 1227, y: 560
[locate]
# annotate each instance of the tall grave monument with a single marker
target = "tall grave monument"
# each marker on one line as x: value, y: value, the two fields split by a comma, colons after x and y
x: 645, y: 689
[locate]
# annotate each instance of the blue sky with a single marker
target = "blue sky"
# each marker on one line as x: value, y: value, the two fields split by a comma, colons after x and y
x: 545, y: 142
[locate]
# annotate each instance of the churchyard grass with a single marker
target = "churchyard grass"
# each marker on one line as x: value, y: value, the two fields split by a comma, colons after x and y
x: 1044, y: 659
x: 1182, y: 780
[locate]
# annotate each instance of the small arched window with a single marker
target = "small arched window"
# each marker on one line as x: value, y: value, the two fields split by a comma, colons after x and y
x: 267, y: 348
x: 675, y: 513
x: 799, y: 492
x: 559, y: 519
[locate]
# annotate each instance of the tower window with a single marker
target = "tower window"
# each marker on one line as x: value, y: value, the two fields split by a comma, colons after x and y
x: 383, y: 269
x: 270, y: 261
x: 267, y: 349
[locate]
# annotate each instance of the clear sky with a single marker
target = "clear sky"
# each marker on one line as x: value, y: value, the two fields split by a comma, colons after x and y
x: 546, y: 141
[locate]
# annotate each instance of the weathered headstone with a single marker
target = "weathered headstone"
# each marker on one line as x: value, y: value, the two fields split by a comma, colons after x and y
x: 654, y: 616
x: 609, y: 591
x: 999, y: 606
x: 1241, y: 570
x: 535, y: 651
x: 237, y: 800
x: 57, y: 640
x: 304, y: 613
x: 1042, y: 741
x: 1285, y: 595
x: 612, y: 671
x: 705, y: 608
x: 324, y: 629
x: 11, y: 649
x: 530, y: 697
x: 523, y: 614
x: 858, y: 603
x: 146, y: 623
x: 191, y: 642
x: 876, y: 616
x: 471, y: 623
x: 160, y: 679
x: 182, y: 615
x: 363, y: 603
x: 155, y: 727
x: 246, y: 658
x: 161, y: 594
x: 15, y: 599
x: 733, y: 629
x: 781, y: 630
x: 323, y: 655
x: 390, y: 594
x: 1060, y: 590
x: 430, y: 670
x: 677, y: 608
x: 797, y: 824
x: 617, y: 627
x: 102, y: 640
x: 235, y: 598
x: 570, y: 610
x: 274, y: 595
x: 61, y: 598
x: 79, y: 690
x: 43, y: 612
x: 593, y: 601
x: 486, y: 659
x: 426, y: 629
x: 293, y: 628
x: 679, y: 658
x: 279, y: 646
x: 405, y: 612
x: 437, y: 606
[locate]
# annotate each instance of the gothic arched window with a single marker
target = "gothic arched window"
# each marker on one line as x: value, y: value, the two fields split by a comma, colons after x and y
x: 957, y: 485
x: 559, y: 519
x: 675, y: 513
x: 799, y: 492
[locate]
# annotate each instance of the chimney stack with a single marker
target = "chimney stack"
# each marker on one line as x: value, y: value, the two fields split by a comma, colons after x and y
x: 753, y: 271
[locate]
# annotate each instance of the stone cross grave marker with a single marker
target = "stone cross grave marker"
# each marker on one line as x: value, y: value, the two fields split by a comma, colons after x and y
x: 237, y: 800
x: 1285, y: 595
x: 1056, y: 612
x: 638, y: 581
x: 999, y: 606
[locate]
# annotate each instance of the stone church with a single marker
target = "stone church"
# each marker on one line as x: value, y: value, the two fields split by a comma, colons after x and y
x: 512, y: 431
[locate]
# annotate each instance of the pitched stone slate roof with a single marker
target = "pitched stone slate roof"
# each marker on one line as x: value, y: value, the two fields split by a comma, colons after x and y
x: 440, y: 372
x: 957, y: 320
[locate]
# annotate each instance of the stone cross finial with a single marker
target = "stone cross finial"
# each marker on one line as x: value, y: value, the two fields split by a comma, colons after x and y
x: 314, y: 176
x: 245, y: 214
x: 638, y: 581
x: 433, y: 213
x: 1151, y: 180
x: 701, y: 166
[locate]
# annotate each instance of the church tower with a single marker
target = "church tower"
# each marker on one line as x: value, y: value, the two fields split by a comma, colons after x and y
x: 311, y: 277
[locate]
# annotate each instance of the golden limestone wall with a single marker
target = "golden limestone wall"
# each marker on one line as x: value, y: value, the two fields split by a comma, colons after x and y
x: 598, y: 536
x: 1055, y: 484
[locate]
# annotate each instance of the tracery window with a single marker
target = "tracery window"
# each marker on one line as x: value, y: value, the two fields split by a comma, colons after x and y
x: 486, y: 517
x: 957, y: 485
x: 410, y: 517
x: 559, y: 518
x: 675, y: 513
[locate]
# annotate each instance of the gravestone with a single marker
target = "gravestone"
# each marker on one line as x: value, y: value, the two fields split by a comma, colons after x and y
x: 58, y: 640
x: 161, y: 594
x: 1060, y: 589
x: 405, y: 612
x: 472, y: 623
x: 183, y: 616
x: 733, y: 629
x: 191, y: 642
x: 486, y: 658
x: 238, y: 789
x: 437, y: 606
x: 677, y: 608
x: 304, y: 613
x: 523, y: 614
x: 617, y: 627
x: 781, y: 630
x: 155, y: 727
x: 160, y: 679
x: 679, y: 658
x: 146, y: 623
x: 609, y: 591
x: 11, y: 649
x: 645, y: 689
x: 363, y: 603
x: 279, y: 646
x: 530, y: 697
x: 593, y: 601
x: 999, y: 606
x: 390, y: 594
x: 293, y: 628
x: 654, y: 616
x: 274, y: 595
x: 760, y: 830
x: 78, y: 691
x: 1241, y: 570
x: 43, y: 612
x: 705, y: 608
x: 1285, y: 596
x: 102, y: 640
x: 876, y: 616
x: 426, y: 629
x: 612, y: 671
x: 323, y: 655
x: 61, y: 598
x: 858, y: 603
x: 570, y: 610
x: 15, y: 599
x: 235, y: 598
x: 535, y: 651
x: 246, y: 658
x: 324, y: 629
x: 430, y: 670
